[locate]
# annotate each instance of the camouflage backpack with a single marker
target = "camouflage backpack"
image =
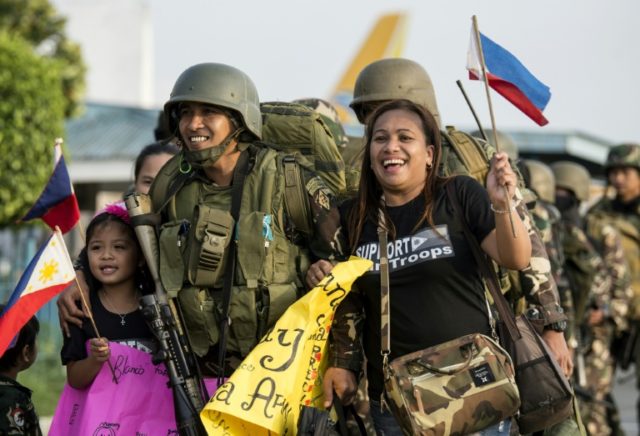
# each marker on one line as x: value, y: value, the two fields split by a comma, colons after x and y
x: 293, y: 127
x: 473, y: 158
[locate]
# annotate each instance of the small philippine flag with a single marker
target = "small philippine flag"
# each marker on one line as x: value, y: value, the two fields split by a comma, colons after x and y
x: 57, y: 204
x: 48, y: 273
x: 508, y: 77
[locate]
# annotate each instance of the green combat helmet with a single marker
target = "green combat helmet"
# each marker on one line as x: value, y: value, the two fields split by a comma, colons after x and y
x: 541, y: 180
x: 392, y: 79
x: 624, y: 155
x: 573, y: 177
x: 220, y: 85
x: 505, y: 142
x: 330, y: 116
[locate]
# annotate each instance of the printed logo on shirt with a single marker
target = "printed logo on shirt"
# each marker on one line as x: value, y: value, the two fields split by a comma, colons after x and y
x: 427, y: 244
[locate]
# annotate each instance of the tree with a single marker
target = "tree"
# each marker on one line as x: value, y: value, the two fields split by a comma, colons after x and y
x: 38, y: 22
x: 32, y: 107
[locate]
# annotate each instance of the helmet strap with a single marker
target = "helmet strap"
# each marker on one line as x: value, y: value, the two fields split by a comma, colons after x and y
x: 209, y: 156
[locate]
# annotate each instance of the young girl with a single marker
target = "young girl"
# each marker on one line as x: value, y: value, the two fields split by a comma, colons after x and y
x: 115, y: 273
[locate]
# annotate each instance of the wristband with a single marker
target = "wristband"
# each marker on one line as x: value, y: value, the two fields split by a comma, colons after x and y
x: 514, y: 204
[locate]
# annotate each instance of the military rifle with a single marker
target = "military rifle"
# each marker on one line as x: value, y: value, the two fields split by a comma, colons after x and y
x: 164, y: 319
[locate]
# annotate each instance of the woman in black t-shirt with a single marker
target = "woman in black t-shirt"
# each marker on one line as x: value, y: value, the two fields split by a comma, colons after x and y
x: 436, y: 293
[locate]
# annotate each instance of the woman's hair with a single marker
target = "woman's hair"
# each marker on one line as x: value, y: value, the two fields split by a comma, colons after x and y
x: 26, y: 336
x: 368, y: 200
x: 117, y: 214
x: 153, y: 149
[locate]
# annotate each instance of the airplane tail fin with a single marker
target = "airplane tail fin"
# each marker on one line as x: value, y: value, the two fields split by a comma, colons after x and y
x: 386, y: 39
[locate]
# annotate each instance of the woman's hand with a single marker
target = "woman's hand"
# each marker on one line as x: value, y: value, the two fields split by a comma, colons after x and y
x: 99, y: 349
x: 501, y: 175
x: 343, y: 382
x: 317, y: 272
x: 68, y: 312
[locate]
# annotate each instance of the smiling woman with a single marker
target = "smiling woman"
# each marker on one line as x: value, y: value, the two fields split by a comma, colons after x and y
x: 430, y: 278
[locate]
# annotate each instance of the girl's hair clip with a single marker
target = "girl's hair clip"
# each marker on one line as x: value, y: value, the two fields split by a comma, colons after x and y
x: 117, y: 209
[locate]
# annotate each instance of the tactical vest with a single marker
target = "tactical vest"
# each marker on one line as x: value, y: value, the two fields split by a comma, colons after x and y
x: 628, y: 227
x: 192, y: 240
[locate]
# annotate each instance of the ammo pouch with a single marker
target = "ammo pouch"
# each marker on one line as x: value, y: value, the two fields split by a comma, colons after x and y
x: 210, y: 234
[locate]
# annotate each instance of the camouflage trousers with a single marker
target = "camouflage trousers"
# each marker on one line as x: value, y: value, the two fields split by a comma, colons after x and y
x: 599, y: 370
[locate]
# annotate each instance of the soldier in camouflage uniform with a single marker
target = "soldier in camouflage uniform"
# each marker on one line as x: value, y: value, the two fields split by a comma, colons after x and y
x: 623, y: 212
x: 598, y: 277
x: 17, y: 414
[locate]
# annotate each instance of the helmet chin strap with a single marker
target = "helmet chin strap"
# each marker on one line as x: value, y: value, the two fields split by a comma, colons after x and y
x: 207, y: 157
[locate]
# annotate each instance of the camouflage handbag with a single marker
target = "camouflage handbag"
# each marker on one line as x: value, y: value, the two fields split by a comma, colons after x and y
x: 458, y: 387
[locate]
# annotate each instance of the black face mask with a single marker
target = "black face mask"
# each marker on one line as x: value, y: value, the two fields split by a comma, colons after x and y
x: 565, y: 203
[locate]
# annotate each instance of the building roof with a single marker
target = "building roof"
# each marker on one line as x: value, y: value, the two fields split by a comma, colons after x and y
x: 104, y: 141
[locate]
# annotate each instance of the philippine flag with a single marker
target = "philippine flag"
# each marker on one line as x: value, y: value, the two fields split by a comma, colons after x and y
x: 508, y: 77
x: 57, y: 205
x: 48, y: 274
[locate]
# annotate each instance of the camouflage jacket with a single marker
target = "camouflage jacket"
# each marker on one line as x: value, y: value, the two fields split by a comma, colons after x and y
x: 608, y: 242
x: 625, y: 218
x: 546, y: 218
x: 17, y: 414
x: 585, y: 273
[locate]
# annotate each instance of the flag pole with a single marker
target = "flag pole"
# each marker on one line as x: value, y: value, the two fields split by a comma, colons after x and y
x: 57, y: 146
x: 476, y: 34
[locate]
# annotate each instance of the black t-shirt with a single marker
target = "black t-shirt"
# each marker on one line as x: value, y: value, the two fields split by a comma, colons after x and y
x: 134, y: 333
x: 436, y: 292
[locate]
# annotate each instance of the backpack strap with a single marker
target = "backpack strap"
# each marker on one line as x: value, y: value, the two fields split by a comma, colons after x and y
x: 243, y: 166
x: 295, y: 196
x: 166, y: 187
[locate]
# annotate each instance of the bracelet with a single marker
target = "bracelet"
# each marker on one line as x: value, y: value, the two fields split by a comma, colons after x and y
x: 514, y: 204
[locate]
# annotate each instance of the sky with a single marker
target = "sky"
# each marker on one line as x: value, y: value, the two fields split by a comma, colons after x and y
x: 586, y: 51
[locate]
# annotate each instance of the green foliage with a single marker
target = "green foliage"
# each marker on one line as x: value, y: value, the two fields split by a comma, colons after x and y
x: 31, y: 117
x: 38, y: 22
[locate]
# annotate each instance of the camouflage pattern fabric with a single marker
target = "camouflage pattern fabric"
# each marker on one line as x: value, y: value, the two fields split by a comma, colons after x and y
x: 455, y: 388
x: 17, y: 414
x: 628, y: 227
x: 609, y: 291
x: 546, y: 218
x: 330, y: 116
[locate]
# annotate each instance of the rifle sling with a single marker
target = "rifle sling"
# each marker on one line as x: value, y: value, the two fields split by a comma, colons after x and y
x: 243, y: 166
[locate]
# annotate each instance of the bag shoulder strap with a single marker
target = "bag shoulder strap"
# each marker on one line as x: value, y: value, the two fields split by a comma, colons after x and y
x: 385, y: 304
x: 295, y: 196
x: 486, y: 270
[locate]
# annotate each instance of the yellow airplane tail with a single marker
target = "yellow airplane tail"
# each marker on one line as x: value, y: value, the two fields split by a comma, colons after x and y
x: 386, y: 39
